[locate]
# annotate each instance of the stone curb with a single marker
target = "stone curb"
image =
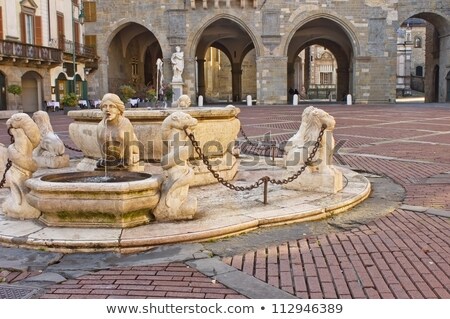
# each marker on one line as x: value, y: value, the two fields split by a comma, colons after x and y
x: 244, y: 284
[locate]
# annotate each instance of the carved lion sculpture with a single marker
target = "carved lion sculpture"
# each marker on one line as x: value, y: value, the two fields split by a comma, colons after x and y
x: 26, y: 138
x: 302, y: 143
x: 51, y: 144
x: 184, y: 101
x: 175, y: 204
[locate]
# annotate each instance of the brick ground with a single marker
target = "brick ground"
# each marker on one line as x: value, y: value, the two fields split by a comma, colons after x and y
x: 174, y: 280
x: 402, y: 255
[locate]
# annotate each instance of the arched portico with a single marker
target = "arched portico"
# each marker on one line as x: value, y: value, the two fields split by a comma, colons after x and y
x: 234, y: 40
x: 335, y: 36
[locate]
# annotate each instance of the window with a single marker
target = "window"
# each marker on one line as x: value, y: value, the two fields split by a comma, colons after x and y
x: 419, y: 70
x: 29, y: 29
x: 326, y: 77
x: 134, y: 67
x: 417, y: 42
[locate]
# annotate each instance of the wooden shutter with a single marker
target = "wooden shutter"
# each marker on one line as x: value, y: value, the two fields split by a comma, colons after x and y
x: 38, y: 30
x: 1, y: 24
x: 61, y: 35
x: 91, y: 40
x: 90, y: 11
x: 23, y: 30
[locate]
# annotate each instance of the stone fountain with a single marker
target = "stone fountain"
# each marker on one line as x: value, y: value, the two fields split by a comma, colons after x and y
x: 117, y: 205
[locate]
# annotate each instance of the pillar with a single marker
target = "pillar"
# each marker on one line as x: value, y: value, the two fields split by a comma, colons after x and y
x: 236, y: 75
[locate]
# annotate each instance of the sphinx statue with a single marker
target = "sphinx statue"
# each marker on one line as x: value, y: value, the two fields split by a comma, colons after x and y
x: 175, y: 202
x: 26, y: 138
x: 320, y: 173
x: 50, y: 152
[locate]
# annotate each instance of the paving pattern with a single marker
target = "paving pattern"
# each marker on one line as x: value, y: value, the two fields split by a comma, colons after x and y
x: 405, y: 254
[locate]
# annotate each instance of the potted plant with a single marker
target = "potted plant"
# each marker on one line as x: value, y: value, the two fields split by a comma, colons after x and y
x: 15, y: 90
x: 168, y: 92
x: 70, y: 100
x: 151, y: 96
x: 126, y: 92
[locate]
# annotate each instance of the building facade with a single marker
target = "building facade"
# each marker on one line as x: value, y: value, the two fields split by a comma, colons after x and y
x: 262, y: 41
x: 42, y: 50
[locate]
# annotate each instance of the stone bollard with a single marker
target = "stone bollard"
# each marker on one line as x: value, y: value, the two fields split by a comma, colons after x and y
x: 200, y: 100
x: 249, y: 100
x: 295, y: 100
x: 349, y: 99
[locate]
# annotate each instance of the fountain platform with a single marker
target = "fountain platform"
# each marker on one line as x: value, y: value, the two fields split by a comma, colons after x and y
x: 221, y: 212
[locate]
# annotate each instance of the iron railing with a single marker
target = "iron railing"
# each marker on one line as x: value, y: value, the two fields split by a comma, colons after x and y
x: 20, y: 50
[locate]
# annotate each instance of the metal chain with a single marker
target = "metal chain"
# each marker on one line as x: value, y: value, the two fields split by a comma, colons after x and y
x: 271, y: 146
x: 72, y: 148
x: 262, y: 180
x: 8, y: 162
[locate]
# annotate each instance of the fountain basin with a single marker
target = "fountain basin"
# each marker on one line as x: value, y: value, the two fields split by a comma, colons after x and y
x: 216, y: 131
x: 86, y: 199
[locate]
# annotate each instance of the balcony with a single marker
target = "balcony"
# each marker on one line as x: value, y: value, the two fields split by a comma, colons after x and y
x: 84, y: 53
x: 17, y: 53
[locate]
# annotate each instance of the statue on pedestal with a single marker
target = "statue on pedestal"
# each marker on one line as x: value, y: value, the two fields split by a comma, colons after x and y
x: 177, y: 60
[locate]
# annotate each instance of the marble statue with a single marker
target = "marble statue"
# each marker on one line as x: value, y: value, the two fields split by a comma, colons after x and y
x: 175, y: 202
x: 26, y: 138
x: 320, y: 174
x: 116, y: 137
x: 50, y: 152
x: 177, y: 60
x: 159, y: 78
x: 183, y: 101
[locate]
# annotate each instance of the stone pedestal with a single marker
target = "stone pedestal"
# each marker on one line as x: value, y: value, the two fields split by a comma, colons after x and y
x: 328, y: 181
x: 177, y: 88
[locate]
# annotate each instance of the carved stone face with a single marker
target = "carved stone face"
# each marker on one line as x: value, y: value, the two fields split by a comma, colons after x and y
x: 110, y: 111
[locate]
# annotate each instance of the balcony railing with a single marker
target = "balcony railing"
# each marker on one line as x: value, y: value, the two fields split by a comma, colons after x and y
x: 81, y: 50
x: 17, y: 50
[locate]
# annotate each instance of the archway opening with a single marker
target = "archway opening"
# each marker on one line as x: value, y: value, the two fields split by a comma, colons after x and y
x: 224, y: 53
x: 320, y: 56
x: 419, y: 59
x: 31, y: 91
x: 132, y: 57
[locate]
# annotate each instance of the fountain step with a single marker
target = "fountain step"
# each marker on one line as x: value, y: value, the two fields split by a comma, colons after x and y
x: 221, y: 212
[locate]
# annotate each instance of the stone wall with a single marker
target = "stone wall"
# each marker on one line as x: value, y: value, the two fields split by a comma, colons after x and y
x: 367, y: 37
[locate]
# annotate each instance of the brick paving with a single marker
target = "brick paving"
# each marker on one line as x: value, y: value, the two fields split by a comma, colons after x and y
x: 405, y: 254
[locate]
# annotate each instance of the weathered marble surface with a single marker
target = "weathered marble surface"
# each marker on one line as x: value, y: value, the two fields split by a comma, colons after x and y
x: 217, y: 128
x: 320, y: 174
x: 176, y: 203
x: 26, y: 138
x: 50, y: 152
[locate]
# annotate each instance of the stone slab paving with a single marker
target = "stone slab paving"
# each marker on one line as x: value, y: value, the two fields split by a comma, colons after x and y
x: 405, y: 254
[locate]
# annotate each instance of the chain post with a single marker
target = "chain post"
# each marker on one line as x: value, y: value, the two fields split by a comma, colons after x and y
x: 266, y: 183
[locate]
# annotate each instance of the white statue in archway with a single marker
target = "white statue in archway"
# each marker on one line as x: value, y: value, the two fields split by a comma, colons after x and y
x: 177, y: 60
x: 159, y: 77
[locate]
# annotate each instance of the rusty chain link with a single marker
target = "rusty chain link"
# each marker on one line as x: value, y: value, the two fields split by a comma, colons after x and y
x: 262, y: 180
x: 8, y: 162
x: 72, y: 148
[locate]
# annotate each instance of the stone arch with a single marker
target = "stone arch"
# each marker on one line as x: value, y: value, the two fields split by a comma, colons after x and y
x: 235, y: 39
x: 305, y: 17
x: 435, y: 45
x: 32, y: 91
x: 196, y: 35
x: 132, y: 50
x: 333, y: 33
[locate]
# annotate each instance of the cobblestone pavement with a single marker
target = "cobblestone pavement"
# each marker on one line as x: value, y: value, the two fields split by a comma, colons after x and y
x: 404, y: 254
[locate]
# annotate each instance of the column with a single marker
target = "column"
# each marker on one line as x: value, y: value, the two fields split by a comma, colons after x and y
x: 236, y: 72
